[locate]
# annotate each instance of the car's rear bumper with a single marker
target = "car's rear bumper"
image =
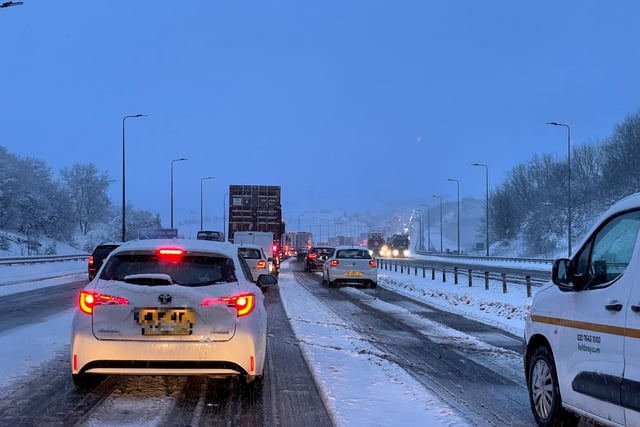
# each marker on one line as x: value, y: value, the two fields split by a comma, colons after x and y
x: 244, y: 354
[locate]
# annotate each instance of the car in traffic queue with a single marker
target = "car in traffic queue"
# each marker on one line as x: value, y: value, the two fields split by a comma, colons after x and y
x: 302, y: 254
x: 256, y: 259
x: 582, y: 329
x: 98, y: 255
x: 350, y: 265
x: 171, y: 307
x: 317, y: 256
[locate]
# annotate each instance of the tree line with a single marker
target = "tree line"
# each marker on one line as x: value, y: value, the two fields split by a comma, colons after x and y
x: 34, y: 203
x: 532, y: 204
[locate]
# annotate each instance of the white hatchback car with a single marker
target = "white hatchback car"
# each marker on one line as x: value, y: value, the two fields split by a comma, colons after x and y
x: 350, y: 265
x: 582, y: 332
x: 256, y: 259
x: 171, y: 307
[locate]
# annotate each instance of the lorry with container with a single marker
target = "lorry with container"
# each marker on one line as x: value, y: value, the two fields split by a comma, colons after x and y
x: 257, y: 209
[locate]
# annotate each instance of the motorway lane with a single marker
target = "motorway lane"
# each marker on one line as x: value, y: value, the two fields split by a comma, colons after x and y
x: 287, y: 397
x: 475, y: 368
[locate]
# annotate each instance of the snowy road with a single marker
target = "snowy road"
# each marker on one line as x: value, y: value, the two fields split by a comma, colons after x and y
x: 378, y: 357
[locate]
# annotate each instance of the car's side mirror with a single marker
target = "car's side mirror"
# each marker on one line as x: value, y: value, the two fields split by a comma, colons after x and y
x: 265, y: 281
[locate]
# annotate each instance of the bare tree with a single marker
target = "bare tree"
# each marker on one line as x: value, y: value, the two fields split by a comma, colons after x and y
x: 87, y: 189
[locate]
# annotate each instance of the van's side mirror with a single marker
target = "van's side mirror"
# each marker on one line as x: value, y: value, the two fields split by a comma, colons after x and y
x: 562, y: 274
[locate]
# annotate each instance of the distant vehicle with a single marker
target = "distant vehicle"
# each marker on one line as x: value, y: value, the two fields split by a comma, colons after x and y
x: 581, y: 334
x: 171, y: 307
x: 263, y: 239
x: 398, y: 246
x: 317, y: 256
x: 257, y: 208
x: 216, y: 236
x: 375, y: 243
x: 99, y: 254
x: 158, y: 233
x: 302, y: 254
x: 256, y: 259
x: 350, y: 265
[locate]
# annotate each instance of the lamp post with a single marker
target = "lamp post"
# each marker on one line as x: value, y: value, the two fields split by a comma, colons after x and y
x: 224, y: 214
x: 11, y: 3
x: 439, y: 197
x: 420, y: 229
x: 428, y: 226
x: 172, y: 162
x: 124, y: 198
x: 486, y: 198
x: 568, y: 182
x: 458, y: 187
x: 201, y: 216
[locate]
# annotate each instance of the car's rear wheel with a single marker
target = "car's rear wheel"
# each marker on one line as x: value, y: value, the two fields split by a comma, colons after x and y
x: 332, y: 283
x: 544, y: 391
x: 373, y: 285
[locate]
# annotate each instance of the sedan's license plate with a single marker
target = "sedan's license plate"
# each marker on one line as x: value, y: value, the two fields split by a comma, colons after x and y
x: 160, y: 321
x: 353, y: 273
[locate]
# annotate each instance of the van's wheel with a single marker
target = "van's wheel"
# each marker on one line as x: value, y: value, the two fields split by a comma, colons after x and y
x: 544, y: 391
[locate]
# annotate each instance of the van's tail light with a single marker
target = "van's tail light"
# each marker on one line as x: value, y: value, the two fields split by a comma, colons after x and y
x: 262, y: 264
x: 373, y: 263
x: 87, y: 300
x: 244, y: 303
x: 334, y: 263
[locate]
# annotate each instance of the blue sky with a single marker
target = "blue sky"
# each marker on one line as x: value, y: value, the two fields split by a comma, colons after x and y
x: 402, y: 95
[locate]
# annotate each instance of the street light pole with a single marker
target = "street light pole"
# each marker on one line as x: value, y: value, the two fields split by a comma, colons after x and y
x: 224, y: 215
x: 486, y: 199
x: 568, y: 182
x: 201, y: 209
x: 458, y: 187
x: 124, y: 187
x: 172, y: 162
x: 439, y: 197
x: 428, y: 226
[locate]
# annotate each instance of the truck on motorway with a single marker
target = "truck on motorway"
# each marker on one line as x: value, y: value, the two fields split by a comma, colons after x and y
x: 257, y: 208
x: 375, y: 243
x: 297, y: 240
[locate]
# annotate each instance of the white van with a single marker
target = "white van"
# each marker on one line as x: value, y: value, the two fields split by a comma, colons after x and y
x: 582, y: 332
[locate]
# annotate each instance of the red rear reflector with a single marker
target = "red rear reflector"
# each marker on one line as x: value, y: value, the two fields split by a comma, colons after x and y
x: 373, y: 263
x: 334, y: 262
x: 75, y: 362
x: 261, y: 264
x: 252, y: 364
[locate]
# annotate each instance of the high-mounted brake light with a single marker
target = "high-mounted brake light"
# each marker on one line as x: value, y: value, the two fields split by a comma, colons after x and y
x: 87, y: 300
x: 373, y: 263
x: 261, y: 264
x: 244, y: 304
x: 334, y: 263
x: 170, y: 251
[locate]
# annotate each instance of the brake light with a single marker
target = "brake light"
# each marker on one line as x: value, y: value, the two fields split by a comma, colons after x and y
x: 373, y: 263
x: 274, y: 248
x: 87, y: 300
x: 334, y: 263
x: 261, y: 264
x: 244, y: 303
x: 313, y: 256
x: 170, y: 254
x: 90, y: 259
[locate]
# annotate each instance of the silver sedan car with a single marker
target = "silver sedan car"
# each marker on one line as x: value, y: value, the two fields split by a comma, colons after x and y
x: 350, y: 265
x: 171, y: 307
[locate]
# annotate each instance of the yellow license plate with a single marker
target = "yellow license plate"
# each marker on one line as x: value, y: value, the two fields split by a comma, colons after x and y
x: 353, y: 273
x: 172, y: 321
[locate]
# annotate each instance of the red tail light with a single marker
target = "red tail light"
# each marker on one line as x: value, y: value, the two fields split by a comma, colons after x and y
x: 90, y: 259
x: 373, y: 263
x: 261, y: 264
x: 313, y: 256
x: 244, y: 303
x: 88, y: 300
x: 334, y: 263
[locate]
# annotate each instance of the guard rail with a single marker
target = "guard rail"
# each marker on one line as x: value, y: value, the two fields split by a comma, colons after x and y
x: 40, y: 259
